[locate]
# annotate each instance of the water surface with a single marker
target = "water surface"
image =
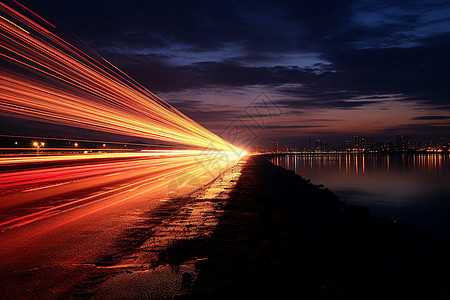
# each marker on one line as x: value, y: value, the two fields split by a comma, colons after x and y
x: 413, y: 188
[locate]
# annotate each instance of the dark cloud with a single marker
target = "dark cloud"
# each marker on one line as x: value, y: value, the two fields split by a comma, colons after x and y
x: 312, y: 54
x: 324, y: 103
x: 370, y: 46
x: 325, y: 120
x: 432, y: 118
x: 196, y: 110
x: 290, y: 126
x: 153, y: 73
x: 234, y: 74
x: 255, y: 27
x: 188, y: 104
x: 208, y: 116
x: 416, y: 73
x: 258, y: 29
x: 431, y: 130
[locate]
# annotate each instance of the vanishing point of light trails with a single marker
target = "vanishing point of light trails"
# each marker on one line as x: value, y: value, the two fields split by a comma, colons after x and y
x: 47, y: 78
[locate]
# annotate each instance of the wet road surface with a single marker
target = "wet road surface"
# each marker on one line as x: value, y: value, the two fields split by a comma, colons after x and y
x: 59, y: 218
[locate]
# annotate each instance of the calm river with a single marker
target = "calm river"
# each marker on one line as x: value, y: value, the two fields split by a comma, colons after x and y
x: 413, y: 188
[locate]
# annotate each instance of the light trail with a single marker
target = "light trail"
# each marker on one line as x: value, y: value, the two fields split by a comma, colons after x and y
x: 201, y: 155
x: 61, y: 211
x: 49, y: 79
x: 149, y: 173
x: 14, y: 24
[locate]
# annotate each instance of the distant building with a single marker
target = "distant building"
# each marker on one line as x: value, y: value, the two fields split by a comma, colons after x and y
x: 274, y: 147
x: 356, y: 142
x: 346, y: 146
x: 401, y: 142
x: 362, y: 143
x: 322, y: 145
x: 369, y: 143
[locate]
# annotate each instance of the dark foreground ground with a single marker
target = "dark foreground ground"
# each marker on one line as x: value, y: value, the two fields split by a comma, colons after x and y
x: 282, y: 237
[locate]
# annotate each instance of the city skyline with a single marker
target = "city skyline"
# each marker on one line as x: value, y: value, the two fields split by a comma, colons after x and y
x: 398, y: 143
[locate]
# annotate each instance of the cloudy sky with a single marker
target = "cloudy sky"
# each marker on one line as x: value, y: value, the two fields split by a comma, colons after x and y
x: 286, y: 69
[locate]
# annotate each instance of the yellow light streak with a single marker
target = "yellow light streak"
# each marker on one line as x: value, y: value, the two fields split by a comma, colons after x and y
x: 151, y: 173
x: 53, y: 81
x: 14, y: 24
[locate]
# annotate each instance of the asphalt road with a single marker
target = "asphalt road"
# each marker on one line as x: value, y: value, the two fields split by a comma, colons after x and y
x: 59, y: 216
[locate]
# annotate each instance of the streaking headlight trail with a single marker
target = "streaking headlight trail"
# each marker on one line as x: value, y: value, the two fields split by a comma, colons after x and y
x: 45, y: 77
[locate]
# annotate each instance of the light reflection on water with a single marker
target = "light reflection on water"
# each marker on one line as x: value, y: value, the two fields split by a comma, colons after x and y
x: 413, y: 188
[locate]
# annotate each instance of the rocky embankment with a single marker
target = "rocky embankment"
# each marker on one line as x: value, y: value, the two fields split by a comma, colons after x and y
x: 282, y: 237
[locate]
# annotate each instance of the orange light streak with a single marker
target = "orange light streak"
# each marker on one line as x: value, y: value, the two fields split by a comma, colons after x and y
x: 145, y: 173
x: 35, y: 14
x: 14, y: 24
x: 53, y: 81
x: 144, y: 154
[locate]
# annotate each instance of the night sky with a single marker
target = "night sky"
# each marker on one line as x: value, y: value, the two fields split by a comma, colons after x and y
x: 332, y: 69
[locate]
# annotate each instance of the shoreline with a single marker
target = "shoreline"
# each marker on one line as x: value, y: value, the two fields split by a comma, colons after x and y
x: 282, y: 237
x: 407, y: 188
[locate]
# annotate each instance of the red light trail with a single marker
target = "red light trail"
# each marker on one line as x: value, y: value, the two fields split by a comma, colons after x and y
x: 47, y: 78
x: 59, y: 212
x: 145, y: 173
x: 51, y: 80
